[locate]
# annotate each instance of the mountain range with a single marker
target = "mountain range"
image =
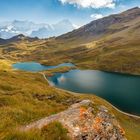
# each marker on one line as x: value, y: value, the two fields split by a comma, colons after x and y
x: 27, y: 28
x: 108, y: 44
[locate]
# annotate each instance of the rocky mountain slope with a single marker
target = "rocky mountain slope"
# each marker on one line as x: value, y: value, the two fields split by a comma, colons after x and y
x: 104, y: 26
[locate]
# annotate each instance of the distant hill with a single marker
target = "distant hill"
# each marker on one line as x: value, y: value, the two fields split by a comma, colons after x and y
x: 17, y: 38
x: 22, y: 37
x: 2, y: 41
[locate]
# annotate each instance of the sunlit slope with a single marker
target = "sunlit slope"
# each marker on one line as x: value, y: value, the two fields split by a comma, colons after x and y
x: 119, y: 52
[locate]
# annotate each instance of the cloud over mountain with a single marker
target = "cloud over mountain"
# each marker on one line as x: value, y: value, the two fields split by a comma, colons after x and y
x: 91, y: 3
x: 96, y: 16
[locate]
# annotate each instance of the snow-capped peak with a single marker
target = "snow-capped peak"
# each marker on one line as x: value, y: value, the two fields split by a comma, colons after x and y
x: 28, y: 28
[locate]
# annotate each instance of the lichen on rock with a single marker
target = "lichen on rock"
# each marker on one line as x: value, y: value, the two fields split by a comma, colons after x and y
x: 83, y: 123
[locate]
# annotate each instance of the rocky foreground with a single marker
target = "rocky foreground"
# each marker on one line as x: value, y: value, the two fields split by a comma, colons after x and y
x: 84, y: 121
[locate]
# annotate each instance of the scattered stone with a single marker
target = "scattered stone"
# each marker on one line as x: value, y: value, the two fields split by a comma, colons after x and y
x: 42, y: 97
x: 70, y: 101
x: 103, y: 108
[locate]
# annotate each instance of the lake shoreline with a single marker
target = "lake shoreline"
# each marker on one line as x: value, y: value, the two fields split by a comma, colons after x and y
x: 75, y: 93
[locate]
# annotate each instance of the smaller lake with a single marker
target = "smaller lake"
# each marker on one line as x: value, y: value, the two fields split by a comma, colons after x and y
x: 35, y: 67
x: 121, y: 90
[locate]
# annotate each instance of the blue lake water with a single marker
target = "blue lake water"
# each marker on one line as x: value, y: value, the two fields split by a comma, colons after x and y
x: 121, y: 90
x: 35, y: 67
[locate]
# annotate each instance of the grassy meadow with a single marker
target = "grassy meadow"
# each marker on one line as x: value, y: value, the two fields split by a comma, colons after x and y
x: 26, y: 97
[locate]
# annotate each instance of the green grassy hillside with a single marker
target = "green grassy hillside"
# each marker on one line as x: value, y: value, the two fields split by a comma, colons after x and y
x: 26, y: 97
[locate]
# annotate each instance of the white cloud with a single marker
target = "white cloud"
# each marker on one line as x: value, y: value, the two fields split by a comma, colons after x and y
x: 91, y: 3
x: 96, y: 16
x: 75, y: 26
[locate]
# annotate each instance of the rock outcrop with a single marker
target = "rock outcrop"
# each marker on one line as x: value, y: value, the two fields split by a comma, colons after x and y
x: 85, y: 121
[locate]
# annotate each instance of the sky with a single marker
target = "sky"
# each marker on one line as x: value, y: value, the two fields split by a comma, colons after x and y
x: 79, y: 12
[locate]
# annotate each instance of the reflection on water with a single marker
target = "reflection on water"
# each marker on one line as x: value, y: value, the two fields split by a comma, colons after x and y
x: 61, y: 79
x: 121, y: 90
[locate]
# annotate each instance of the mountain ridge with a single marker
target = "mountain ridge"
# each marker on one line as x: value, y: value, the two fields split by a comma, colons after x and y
x: 98, y: 28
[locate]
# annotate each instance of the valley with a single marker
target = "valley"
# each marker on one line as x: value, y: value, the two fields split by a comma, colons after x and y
x: 110, y: 49
x: 109, y: 44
